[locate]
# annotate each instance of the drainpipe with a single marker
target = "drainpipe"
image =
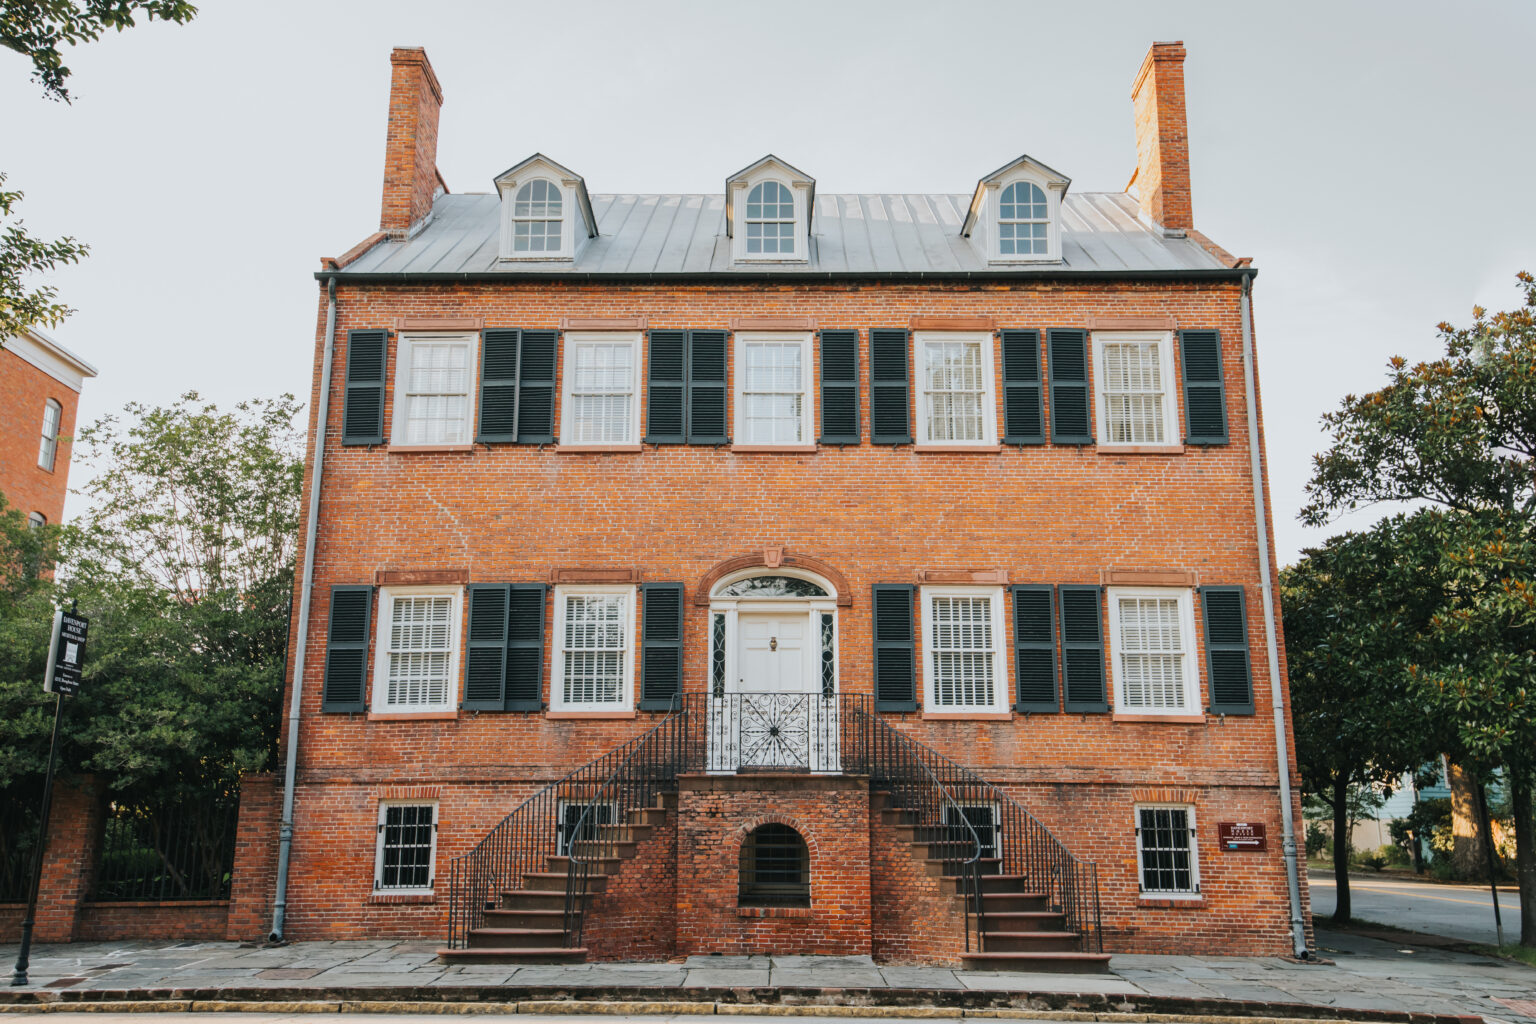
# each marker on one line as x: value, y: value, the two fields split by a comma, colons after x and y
x: 285, y: 841
x: 1267, y: 590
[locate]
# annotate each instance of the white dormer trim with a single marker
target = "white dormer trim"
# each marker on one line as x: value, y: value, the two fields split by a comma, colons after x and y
x: 48, y: 355
x: 802, y: 189
x: 577, y: 223
x: 981, y: 220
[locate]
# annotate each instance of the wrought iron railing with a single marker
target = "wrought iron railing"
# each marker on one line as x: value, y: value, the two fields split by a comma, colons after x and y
x: 18, y: 837
x: 585, y: 816
x: 175, y: 851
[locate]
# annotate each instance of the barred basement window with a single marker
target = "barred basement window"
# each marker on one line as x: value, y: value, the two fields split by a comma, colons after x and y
x: 1166, y: 854
x: 407, y: 848
x: 570, y: 820
x: 963, y: 629
x: 418, y: 650
x: 982, y: 819
x: 775, y: 868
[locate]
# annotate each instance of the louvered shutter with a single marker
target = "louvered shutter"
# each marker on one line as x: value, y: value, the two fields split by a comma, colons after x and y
x: 346, y: 650
x: 498, y: 385
x: 1034, y: 647
x: 1205, y: 393
x: 666, y: 383
x: 1023, y: 415
x: 524, y: 689
x: 889, y: 391
x: 485, y: 660
x: 661, y: 645
x: 536, y: 387
x: 1070, y: 406
x: 706, y: 388
x: 895, y: 651
x: 1226, y: 650
x: 362, y: 406
x: 839, y: 387
x: 1082, y: 648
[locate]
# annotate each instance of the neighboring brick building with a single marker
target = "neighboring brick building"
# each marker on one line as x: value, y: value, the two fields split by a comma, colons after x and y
x: 887, y: 531
x: 40, y: 383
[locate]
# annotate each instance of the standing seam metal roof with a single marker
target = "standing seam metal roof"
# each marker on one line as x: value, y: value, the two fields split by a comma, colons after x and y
x: 854, y: 234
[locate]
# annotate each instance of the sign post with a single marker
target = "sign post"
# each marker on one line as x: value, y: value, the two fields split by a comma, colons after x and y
x: 61, y: 677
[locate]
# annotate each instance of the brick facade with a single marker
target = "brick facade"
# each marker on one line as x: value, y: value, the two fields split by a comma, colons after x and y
x: 26, y: 387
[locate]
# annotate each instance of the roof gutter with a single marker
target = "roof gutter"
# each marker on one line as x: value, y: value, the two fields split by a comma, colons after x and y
x: 306, y: 591
x: 1271, y: 643
x: 1233, y: 274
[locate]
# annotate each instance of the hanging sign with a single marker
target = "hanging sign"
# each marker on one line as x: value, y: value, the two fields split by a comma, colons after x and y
x: 66, y: 654
x: 1241, y: 835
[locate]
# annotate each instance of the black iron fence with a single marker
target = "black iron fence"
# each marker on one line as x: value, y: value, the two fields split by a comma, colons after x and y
x: 175, y: 851
x: 18, y: 838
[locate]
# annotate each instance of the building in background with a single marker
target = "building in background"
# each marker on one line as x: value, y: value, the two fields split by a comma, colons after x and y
x: 40, y: 382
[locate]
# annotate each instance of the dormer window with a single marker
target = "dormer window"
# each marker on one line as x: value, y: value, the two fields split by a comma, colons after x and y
x: 770, y: 219
x: 1023, y: 221
x: 536, y: 219
x: 768, y: 207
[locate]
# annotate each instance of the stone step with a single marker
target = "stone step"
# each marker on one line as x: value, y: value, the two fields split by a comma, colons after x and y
x: 534, y: 899
x: 1003, y: 902
x: 516, y: 938
x: 522, y: 917
x: 1024, y: 921
x: 989, y: 883
x: 605, y: 865
x: 515, y: 955
x: 1031, y: 942
x: 1045, y: 962
x: 648, y: 816
x: 596, y: 882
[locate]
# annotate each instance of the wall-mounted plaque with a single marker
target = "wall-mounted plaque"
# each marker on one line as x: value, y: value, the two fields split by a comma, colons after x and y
x: 1241, y: 835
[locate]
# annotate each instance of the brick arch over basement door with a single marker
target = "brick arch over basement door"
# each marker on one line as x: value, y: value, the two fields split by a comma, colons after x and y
x: 760, y: 559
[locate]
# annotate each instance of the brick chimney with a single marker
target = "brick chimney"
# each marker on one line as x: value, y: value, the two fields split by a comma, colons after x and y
x: 410, y: 148
x: 1162, y: 138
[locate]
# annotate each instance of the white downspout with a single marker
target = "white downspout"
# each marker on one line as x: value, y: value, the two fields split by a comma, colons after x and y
x: 1267, y: 591
x: 285, y: 842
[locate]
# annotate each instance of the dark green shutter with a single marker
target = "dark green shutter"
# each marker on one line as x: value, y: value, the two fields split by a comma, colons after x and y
x: 498, y: 385
x: 1034, y: 647
x: 524, y: 690
x: 362, y: 407
x: 889, y: 394
x: 346, y: 650
x: 1070, y: 405
x: 666, y: 384
x: 485, y: 661
x: 1082, y: 648
x: 1226, y: 650
x: 706, y: 388
x: 661, y: 645
x: 839, y: 387
x: 1023, y: 415
x: 1205, y: 394
x: 895, y: 652
x: 536, y: 388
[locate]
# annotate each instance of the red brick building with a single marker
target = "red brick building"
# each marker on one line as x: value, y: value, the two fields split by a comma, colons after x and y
x: 788, y: 572
x: 40, y: 382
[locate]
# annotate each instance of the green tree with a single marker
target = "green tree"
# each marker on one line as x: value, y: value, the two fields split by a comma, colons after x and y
x: 22, y: 256
x: 1352, y: 611
x: 1457, y: 435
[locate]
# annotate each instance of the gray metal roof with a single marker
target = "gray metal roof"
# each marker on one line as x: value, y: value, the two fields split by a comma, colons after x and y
x: 854, y: 234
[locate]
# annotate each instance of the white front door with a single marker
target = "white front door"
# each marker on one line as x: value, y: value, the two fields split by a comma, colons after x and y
x: 773, y: 655
x: 773, y: 713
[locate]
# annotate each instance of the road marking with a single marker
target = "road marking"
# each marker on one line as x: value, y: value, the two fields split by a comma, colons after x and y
x: 1422, y: 896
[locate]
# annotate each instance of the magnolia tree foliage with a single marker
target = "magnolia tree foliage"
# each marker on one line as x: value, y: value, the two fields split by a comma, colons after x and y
x: 21, y: 256
x: 1456, y: 436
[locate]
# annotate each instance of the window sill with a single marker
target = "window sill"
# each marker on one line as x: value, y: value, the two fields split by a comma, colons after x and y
x: 968, y: 716
x: 1193, y: 901
x: 411, y: 449
x: 1166, y: 719
x: 959, y: 449
x: 808, y: 449
x: 801, y: 912
x: 581, y: 449
x: 402, y: 897
x: 538, y: 258
x: 1140, y: 449
x: 589, y: 714
x: 412, y: 716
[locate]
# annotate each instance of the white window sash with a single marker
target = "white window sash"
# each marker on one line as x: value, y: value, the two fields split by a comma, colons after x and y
x: 383, y: 834
x: 749, y: 399
x: 955, y: 405
x: 1152, y: 638
x: 1134, y: 381
x: 965, y: 664
x: 416, y: 661
x: 1142, y: 850
x: 434, y: 405
x: 594, y: 657
x: 603, y: 413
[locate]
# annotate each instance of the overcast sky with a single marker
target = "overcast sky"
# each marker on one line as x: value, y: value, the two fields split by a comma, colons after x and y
x: 1374, y: 159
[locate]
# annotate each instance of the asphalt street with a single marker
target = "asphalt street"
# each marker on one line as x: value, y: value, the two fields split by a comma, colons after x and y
x: 1457, y: 911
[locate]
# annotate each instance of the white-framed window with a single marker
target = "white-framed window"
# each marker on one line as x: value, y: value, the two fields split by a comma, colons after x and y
x: 1151, y: 646
x: 954, y: 399
x: 601, y: 403
x: 537, y: 217
x: 965, y: 663
x: 36, y: 520
x: 417, y: 661
x: 770, y: 219
x: 585, y: 816
x: 1167, y: 854
x: 405, y: 856
x: 434, y: 389
x: 983, y: 820
x: 1135, y: 378
x: 1023, y: 221
x: 594, y: 648
x: 773, y: 389
x: 48, y: 448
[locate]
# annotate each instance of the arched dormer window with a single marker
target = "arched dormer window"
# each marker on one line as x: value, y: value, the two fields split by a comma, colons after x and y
x: 537, y: 217
x: 770, y: 219
x: 1023, y: 221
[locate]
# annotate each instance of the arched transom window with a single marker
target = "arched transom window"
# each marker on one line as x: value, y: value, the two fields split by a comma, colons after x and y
x: 536, y: 217
x: 1023, y: 221
x: 770, y: 219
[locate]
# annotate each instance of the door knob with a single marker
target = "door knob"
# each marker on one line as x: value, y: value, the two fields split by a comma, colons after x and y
x: 773, y: 643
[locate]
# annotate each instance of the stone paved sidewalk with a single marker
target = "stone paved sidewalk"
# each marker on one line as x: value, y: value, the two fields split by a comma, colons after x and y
x: 1367, y: 974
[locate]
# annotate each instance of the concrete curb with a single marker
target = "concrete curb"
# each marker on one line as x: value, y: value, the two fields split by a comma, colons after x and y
x: 887, y: 1003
